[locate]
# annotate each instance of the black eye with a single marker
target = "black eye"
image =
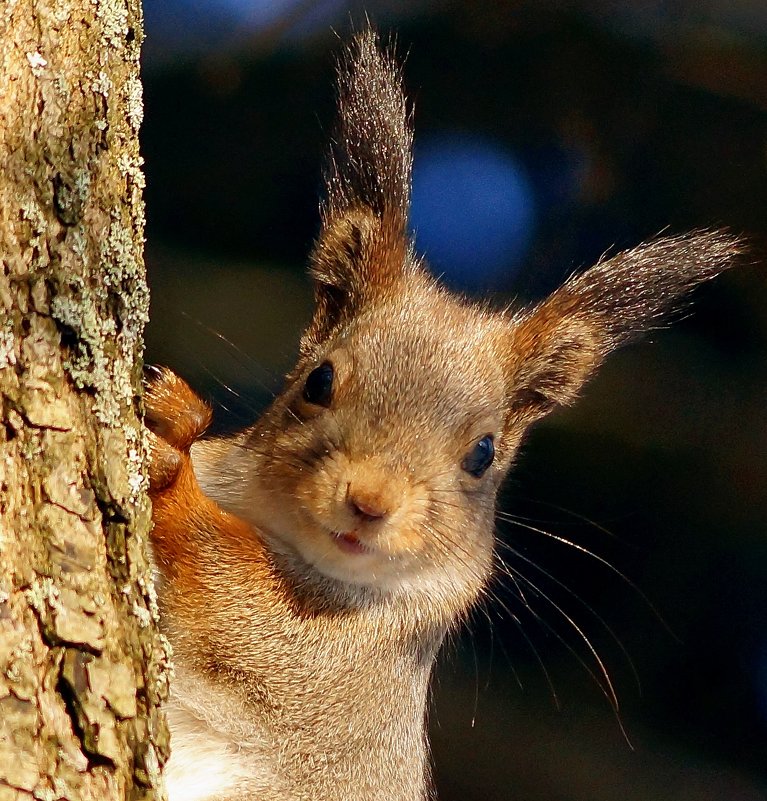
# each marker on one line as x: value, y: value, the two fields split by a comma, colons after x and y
x: 318, y: 388
x: 480, y: 457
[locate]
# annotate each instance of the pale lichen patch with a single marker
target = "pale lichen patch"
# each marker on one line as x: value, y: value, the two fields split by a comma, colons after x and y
x: 138, y: 450
x: 102, y: 84
x: 16, y: 652
x: 106, y: 356
x: 37, y: 63
x: 31, y: 448
x: 134, y: 101
x: 143, y: 615
x: 113, y: 15
x: 7, y: 345
x: 29, y: 210
x: 41, y: 591
x: 149, y: 591
x: 130, y: 166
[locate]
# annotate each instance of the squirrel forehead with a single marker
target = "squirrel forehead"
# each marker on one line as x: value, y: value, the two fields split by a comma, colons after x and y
x: 426, y: 356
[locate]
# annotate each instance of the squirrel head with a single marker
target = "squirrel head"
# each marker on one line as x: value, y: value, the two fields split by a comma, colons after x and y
x: 380, y: 461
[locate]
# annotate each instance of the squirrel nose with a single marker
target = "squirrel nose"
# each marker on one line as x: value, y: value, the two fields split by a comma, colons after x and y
x: 368, y: 506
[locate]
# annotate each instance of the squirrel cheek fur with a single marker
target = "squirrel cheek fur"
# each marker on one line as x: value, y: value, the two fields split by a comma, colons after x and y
x: 310, y: 566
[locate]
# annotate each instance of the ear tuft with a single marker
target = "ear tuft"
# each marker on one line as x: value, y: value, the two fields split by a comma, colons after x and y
x: 370, y: 159
x: 363, y: 248
x: 638, y: 289
x: 556, y: 346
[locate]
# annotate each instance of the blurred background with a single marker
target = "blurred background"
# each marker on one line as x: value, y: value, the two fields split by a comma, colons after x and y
x: 547, y: 132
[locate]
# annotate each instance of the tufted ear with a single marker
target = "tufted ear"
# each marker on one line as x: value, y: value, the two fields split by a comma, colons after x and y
x: 555, y: 347
x: 363, y: 247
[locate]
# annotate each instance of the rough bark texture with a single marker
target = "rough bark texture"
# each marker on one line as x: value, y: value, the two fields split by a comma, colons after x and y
x: 82, y: 667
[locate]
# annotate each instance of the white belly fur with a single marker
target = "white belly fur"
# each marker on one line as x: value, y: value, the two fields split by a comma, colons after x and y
x: 206, y: 764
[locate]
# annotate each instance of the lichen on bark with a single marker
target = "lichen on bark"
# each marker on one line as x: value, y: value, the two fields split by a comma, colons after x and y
x: 82, y: 667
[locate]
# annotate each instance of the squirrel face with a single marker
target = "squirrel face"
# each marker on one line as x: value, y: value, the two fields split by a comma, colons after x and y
x: 384, y: 454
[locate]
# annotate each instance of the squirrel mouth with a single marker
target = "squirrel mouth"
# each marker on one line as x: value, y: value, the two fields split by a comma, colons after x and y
x: 349, y: 542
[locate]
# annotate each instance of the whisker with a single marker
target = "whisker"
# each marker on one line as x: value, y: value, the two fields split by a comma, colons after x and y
x: 519, y: 555
x: 504, y: 606
x: 607, y: 689
x: 560, y: 638
x: 538, y: 659
x: 236, y: 349
x: 578, y: 516
x: 516, y: 577
x: 582, y: 549
x: 244, y: 401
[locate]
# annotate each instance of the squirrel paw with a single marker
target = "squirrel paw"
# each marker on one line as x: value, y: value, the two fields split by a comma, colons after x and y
x: 175, y: 416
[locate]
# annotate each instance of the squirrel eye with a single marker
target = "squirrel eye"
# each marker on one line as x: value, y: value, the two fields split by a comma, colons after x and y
x: 480, y: 457
x: 318, y: 388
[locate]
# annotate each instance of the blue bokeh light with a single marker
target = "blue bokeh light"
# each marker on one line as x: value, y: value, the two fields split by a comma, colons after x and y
x: 473, y: 210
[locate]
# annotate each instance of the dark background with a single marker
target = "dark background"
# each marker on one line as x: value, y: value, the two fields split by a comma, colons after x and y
x: 549, y: 132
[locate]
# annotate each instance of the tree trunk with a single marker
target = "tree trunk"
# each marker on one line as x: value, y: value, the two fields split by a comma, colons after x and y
x: 82, y: 666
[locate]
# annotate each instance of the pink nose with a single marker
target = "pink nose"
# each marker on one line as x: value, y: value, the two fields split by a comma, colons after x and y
x: 368, y: 507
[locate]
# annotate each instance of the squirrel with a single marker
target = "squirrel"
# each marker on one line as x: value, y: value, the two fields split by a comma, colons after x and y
x: 310, y: 566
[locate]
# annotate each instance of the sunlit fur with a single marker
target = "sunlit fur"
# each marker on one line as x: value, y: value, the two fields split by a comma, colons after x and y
x: 305, y: 631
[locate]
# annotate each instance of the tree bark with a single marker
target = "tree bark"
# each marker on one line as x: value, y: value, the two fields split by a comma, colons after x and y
x: 82, y: 666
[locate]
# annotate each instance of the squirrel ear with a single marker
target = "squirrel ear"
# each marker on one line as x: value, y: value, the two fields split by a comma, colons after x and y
x: 557, y: 345
x: 363, y: 245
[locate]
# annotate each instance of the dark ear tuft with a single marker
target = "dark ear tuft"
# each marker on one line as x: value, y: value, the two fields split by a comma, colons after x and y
x: 636, y: 290
x: 363, y: 247
x: 370, y: 159
x: 556, y: 346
